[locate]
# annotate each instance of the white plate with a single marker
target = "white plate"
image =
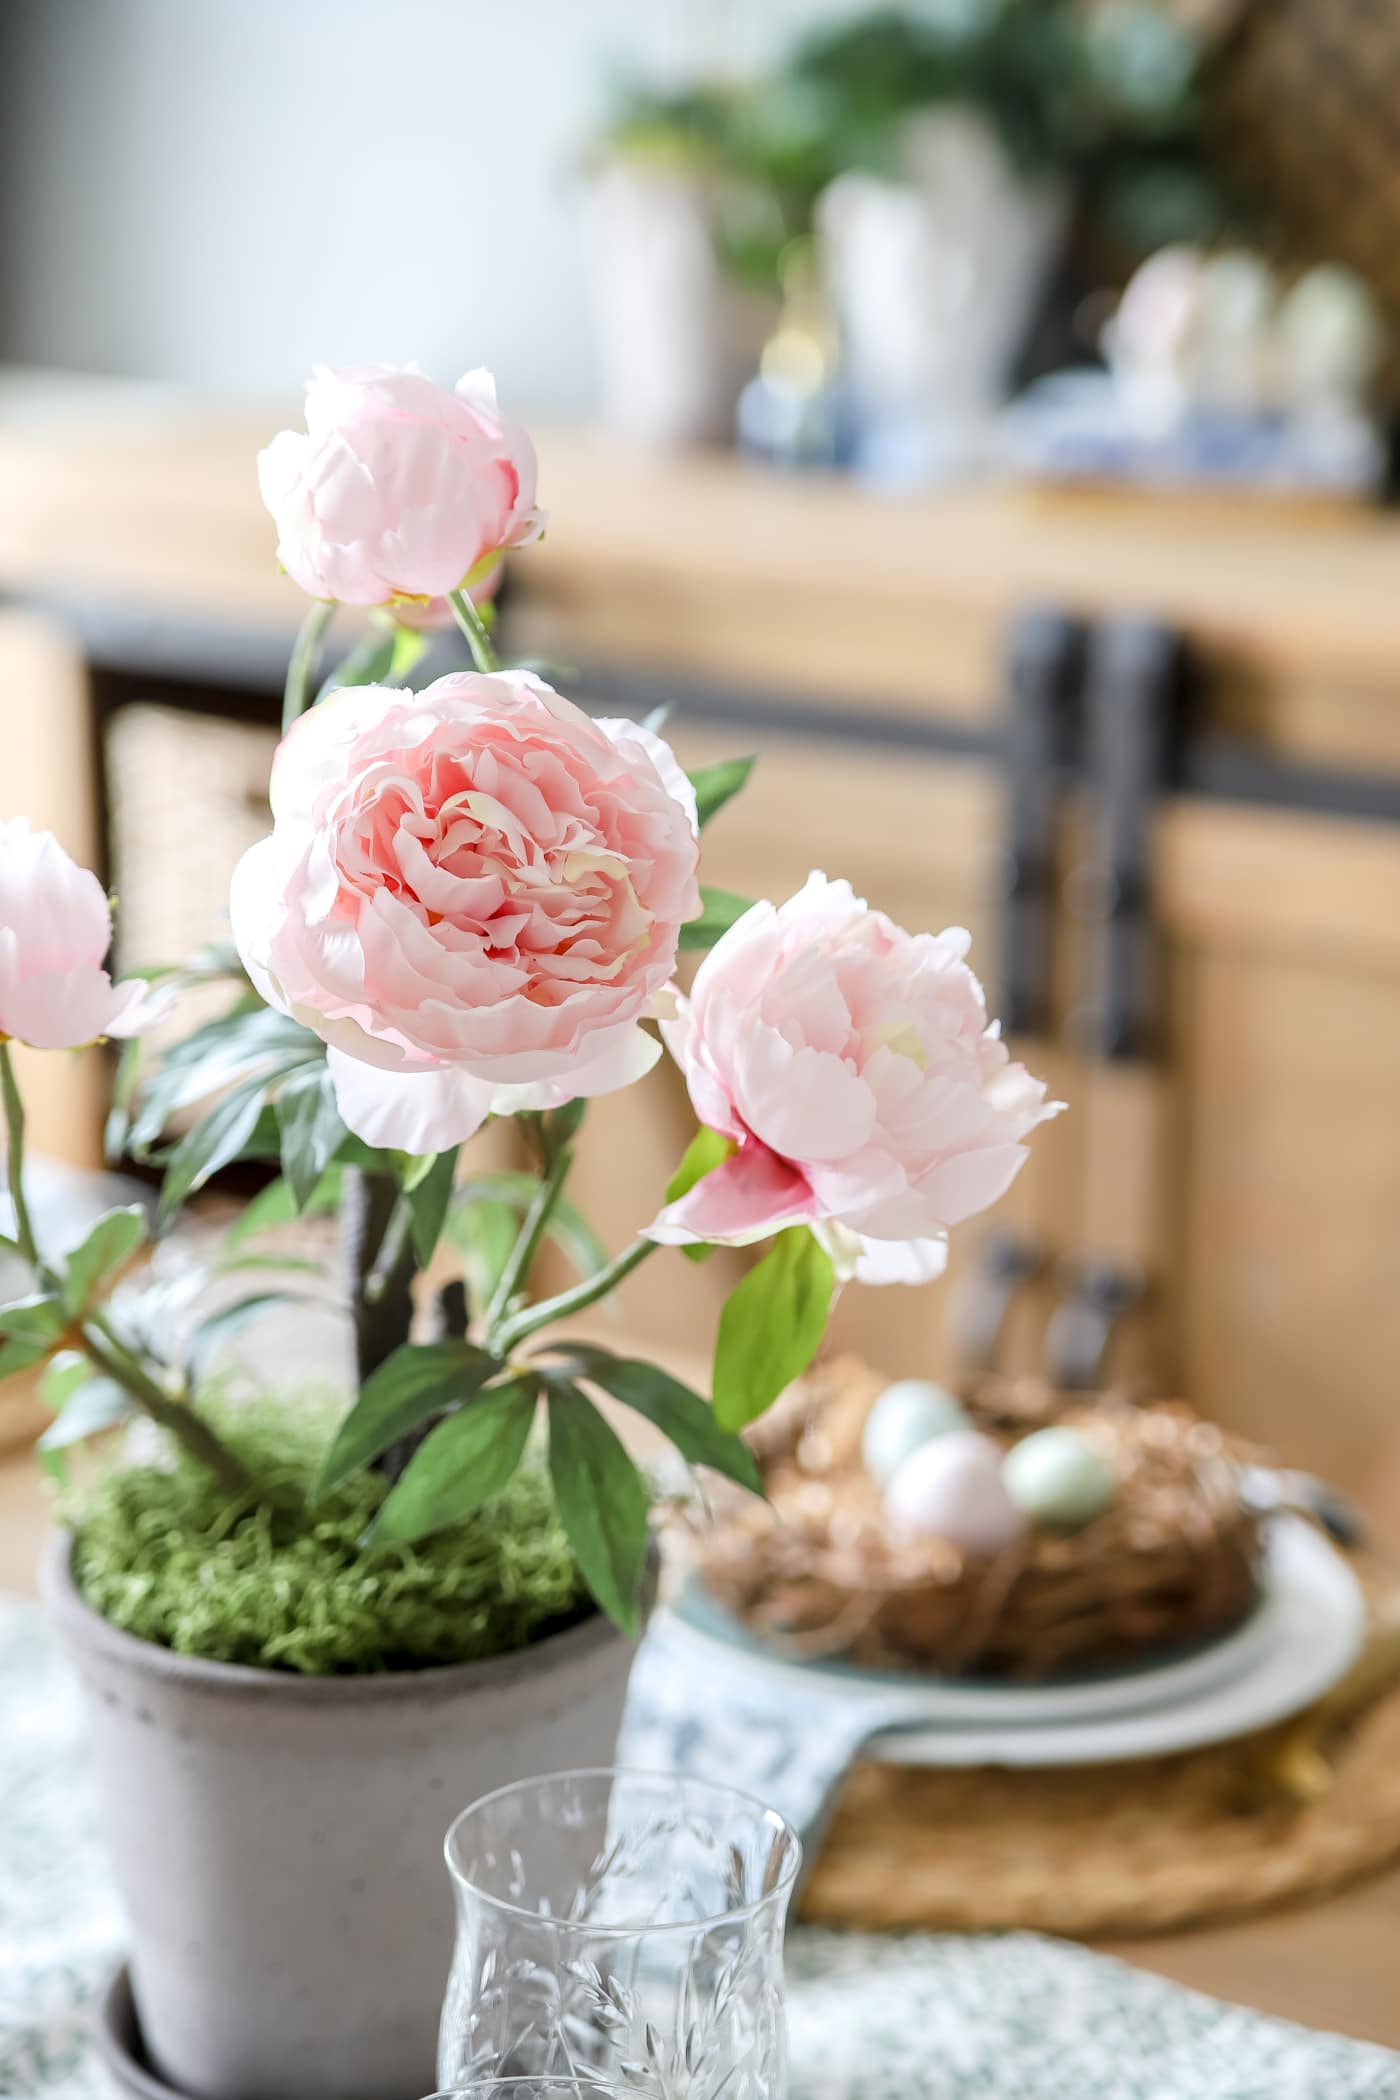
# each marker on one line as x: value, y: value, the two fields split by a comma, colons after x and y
x: 1305, y: 1633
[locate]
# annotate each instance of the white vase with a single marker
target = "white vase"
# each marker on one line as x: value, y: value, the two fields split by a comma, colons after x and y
x: 678, y: 339
x: 278, y: 1841
x: 936, y: 277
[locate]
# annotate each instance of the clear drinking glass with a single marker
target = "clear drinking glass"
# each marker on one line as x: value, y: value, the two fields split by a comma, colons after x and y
x: 624, y: 1926
x: 583, y: 2087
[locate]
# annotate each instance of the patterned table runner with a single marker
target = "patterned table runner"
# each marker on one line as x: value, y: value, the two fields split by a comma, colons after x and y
x: 925, y: 2017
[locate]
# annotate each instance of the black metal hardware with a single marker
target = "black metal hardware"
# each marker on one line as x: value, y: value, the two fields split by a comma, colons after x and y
x: 1008, y: 1261
x: 1100, y: 1292
x: 1134, y: 684
x: 1044, y: 668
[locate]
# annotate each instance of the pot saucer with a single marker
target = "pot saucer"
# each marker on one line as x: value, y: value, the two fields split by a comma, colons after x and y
x: 117, y: 2033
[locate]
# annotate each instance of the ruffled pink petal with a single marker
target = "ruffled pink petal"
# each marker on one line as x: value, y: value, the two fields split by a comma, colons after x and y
x: 407, y: 1111
x: 634, y: 736
x: 60, y: 1011
x: 628, y: 1055
x: 752, y: 1195
x: 901, y: 1261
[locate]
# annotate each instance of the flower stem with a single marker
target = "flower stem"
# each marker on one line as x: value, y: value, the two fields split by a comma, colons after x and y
x: 474, y: 628
x: 369, y: 1203
x: 112, y: 1356
x: 305, y: 651
x: 392, y: 1249
x: 517, y: 1268
x: 100, y: 1345
x: 513, y: 1332
x: 14, y: 1153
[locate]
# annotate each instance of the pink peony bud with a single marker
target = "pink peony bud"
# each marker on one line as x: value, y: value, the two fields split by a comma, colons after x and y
x: 397, y: 489
x: 55, y: 930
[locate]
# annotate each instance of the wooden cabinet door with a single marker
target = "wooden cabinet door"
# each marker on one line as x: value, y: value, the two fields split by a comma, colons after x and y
x: 920, y: 836
x: 1283, y: 1260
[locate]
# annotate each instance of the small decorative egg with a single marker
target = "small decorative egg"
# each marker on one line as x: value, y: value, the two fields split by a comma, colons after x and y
x: 907, y: 1414
x: 1058, y: 1478
x: 952, y: 1488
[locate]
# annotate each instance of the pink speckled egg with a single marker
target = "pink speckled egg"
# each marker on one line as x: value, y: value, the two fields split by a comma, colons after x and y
x: 952, y: 1488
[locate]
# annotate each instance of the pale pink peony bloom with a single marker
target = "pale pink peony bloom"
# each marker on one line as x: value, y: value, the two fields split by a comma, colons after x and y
x: 397, y: 489
x: 428, y: 614
x: 471, y: 894
x: 55, y: 930
x: 852, y: 1065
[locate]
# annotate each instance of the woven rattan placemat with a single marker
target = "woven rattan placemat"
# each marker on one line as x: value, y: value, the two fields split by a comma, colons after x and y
x: 1130, y: 1848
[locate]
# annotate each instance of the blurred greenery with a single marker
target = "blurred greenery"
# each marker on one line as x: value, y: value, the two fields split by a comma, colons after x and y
x: 1108, y: 96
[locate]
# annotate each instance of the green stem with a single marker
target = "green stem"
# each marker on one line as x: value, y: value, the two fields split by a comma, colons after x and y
x: 112, y: 1356
x: 100, y: 1344
x: 391, y: 1252
x: 474, y: 628
x: 14, y: 1128
x: 514, y: 1332
x: 517, y: 1269
x: 305, y: 651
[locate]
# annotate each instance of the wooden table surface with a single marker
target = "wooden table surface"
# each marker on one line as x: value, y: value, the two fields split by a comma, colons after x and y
x: 1331, y: 1965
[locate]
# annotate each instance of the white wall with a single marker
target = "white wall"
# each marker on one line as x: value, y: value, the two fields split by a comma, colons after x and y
x: 219, y: 193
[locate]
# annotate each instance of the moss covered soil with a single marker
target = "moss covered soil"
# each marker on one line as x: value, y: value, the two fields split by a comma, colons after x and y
x: 262, y: 1580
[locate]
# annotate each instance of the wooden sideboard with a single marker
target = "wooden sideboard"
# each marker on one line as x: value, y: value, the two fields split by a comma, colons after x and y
x: 1247, y: 1156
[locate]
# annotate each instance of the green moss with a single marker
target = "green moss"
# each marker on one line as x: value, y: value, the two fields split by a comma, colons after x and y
x: 163, y: 1553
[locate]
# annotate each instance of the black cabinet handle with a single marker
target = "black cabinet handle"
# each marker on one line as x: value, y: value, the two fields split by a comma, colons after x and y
x: 1044, y: 672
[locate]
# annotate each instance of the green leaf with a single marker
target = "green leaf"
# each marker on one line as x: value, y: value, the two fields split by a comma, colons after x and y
x: 387, y: 656
x: 226, y: 1321
x: 112, y: 1240
x: 215, y: 1139
x: 368, y: 663
x: 95, y: 1404
x: 310, y: 1127
x: 39, y: 1318
x: 416, y: 1383
x: 719, y: 911
x: 464, y: 1462
x: 17, y: 1356
x: 680, y: 1414
x: 568, y: 1228
x: 274, y: 1205
x: 231, y: 1047
x: 771, y: 1326
x: 64, y: 1374
x: 428, y: 1200
x: 657, y: 717
x: 483, y: 1233
x: 718, y: 784
x: 706, y: 1151
x: 602, y: 1501
x: 413, y: 1167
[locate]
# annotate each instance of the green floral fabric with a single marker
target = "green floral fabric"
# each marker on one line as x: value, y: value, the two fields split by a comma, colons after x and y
x: 925, y: 2017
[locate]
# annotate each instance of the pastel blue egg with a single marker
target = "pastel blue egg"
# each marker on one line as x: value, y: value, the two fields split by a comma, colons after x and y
x: 907, y: 1415
x: 1058, y: 1478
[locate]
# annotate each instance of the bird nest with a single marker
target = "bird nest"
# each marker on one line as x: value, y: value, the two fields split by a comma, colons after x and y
x: 817, y: 1570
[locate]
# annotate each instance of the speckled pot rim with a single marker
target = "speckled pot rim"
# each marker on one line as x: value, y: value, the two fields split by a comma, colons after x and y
x: 86, y: 1628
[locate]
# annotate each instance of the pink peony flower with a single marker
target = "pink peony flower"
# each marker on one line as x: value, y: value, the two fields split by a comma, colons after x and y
x: 397, y: 488
x: 852, y: 1067
x: 471, y: 894
x: 428, y: 614
x: 55, y: 930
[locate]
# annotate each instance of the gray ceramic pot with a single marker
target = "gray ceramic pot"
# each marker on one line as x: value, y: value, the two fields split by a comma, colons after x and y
x: 278, y: 1842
